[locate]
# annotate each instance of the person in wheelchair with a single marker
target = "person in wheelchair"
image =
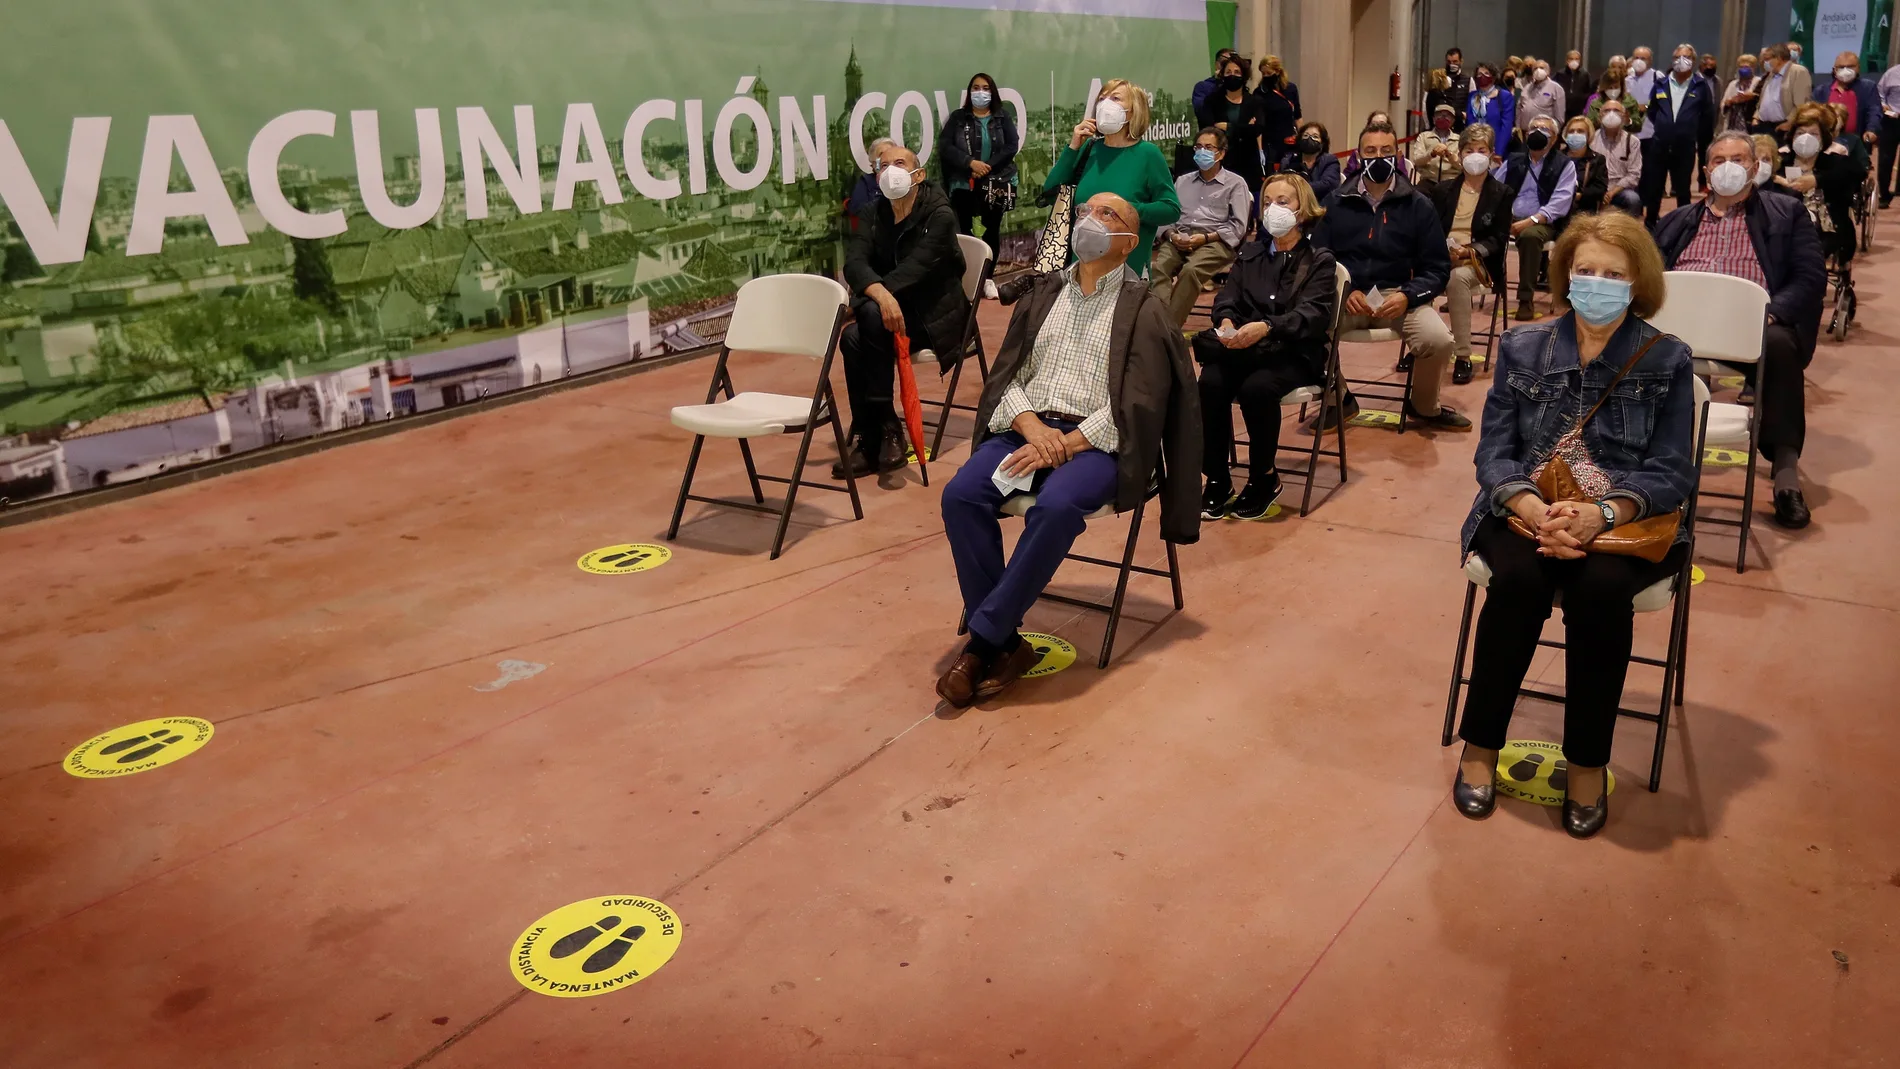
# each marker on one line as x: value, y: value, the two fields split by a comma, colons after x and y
x: 1275, y: 317
x: 1821, y: 166
x: 1634, y: 459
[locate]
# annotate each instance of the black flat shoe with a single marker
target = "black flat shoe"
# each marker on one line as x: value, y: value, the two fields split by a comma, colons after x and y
x: 1461, y: 372
x: 1583, y: 821
x: 1791, y: 510
x: 1474, y: 802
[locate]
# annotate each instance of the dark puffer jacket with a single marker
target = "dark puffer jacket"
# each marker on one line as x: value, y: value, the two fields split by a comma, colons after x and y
x: 1397, y: 245
x: 919, y: 261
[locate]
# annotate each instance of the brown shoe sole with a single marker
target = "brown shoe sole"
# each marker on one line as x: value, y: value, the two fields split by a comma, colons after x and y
x: 1008, y: 673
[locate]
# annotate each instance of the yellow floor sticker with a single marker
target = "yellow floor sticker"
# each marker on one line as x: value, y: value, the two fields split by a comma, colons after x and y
x: 1696, y: 574
x: 1056, y: 654
x: 910, y: 455
x: 1724, y: 458
x: 624, y: 558
x: 138, y: 747
x: 1373, y: 417
x: 594, y: 946
x: 1537, y: 772
x: 1733, y: 382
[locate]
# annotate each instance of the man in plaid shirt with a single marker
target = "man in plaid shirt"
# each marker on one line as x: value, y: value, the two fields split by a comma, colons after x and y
x: 1771, y: 242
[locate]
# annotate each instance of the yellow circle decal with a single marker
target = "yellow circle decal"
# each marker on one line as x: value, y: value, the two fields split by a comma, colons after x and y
x: 1733, y: 382
x: 1055, y: 654
x: 1696, y: 574
x: 624, y: 558
x: 910, y: 454
x: 138, y: 747
x: 594, y: 946
x: 1373, y: 417
x: 1724, y: 458
x: 1537, y: 772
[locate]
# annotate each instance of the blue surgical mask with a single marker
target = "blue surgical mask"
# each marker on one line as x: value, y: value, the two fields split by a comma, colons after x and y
x: 1574, y: 140
x: 1746, y: 72
x: 980, y: 98
x: 1598, y: 301
x: 1203, y: 158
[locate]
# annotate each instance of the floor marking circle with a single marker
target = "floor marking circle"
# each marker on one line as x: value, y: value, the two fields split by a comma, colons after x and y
x: 1724, y: 458
x: 1733, y: 382
x: 138, y: 747
x: 1056, y: 654
x: 910, y: 454
x: 1537, y: 772
x: 1373, y: 417
x: 594, y: 946
x: 624, y: 558
x: 1696, y: 574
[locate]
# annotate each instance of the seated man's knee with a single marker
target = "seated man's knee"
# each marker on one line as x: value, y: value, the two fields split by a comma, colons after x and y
x: 970, y: 488
x: 1260, y: 391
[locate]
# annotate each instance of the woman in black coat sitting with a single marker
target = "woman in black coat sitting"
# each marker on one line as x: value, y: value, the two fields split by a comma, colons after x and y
x: 1275, y: 317
x: 1237, y: 113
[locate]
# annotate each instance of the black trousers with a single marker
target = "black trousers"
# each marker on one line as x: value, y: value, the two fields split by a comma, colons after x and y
x: 1257, y: 380
x: 1889, y: 148
x: 1599, y: 625
x: 1666, y: 161
x: 870, y: 374
x: 1784, y: 417
x: 970, y: 206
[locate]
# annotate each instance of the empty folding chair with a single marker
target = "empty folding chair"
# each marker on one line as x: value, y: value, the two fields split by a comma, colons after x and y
x: 793, y: 315
x: 1671, y: 593
x: 1721, y: 318
x: 977, y: 266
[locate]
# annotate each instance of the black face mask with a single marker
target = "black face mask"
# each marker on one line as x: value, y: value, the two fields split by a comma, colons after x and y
x: 1380, y: 170
x: 1309, y: 146
x: 1231, y: 82
x: 1710, y: 71
x: 1537, y: 140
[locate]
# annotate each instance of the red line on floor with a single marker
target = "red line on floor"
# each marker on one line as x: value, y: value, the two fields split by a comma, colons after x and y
x: 1350, y: 917
x: 884, y: 558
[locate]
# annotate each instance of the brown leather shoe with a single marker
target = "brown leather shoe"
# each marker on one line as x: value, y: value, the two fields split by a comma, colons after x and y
x: 958, y: 685
x: 1007, y: 671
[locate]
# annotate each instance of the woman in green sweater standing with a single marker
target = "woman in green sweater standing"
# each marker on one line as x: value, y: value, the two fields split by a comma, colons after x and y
x: 1120, y: 163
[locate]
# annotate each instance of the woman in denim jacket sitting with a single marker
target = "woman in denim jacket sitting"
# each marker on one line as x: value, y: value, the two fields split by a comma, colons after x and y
x: 1635, y: 456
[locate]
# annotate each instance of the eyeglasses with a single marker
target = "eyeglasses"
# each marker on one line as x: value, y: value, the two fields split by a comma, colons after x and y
x: 1099, y: 211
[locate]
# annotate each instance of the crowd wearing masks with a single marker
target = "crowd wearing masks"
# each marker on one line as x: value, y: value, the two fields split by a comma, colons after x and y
x: 1102, y: 392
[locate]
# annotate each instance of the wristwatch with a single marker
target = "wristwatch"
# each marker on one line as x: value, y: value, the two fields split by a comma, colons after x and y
x: 1609, y: 514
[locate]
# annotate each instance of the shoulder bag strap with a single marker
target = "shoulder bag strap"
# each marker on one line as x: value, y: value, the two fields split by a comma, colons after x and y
x: 1627, y: 368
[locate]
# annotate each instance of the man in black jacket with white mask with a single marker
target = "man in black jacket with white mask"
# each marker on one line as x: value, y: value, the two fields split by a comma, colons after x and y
x: 905, y: 271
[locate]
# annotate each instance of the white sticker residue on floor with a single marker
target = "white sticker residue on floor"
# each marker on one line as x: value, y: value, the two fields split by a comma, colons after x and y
x: 512, y: 671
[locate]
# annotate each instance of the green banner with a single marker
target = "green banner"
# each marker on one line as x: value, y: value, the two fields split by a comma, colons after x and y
x: 1827, y: 28
x: 228, y: 224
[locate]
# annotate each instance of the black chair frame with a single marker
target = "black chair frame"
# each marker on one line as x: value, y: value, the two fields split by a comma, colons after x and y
x: 824, y: 409
x: 1332, y: 396
x: 970, y: 344
x: 1674, y: 662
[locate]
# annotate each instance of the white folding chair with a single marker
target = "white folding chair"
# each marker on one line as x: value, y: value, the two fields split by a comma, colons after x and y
x: 1722, y: 319
x: 794, y: 315
x: 1662, y: 594
x: 1330, y: 393
x: 977, y: 266
x: 1374, y: 336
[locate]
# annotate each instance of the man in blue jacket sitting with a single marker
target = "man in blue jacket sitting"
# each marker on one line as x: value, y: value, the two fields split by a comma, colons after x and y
x: 1676, y: 110
x: 1387, y: 235
x: 1771, y: 242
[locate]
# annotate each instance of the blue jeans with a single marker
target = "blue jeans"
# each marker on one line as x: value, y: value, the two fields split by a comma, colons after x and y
x: 996, y: 596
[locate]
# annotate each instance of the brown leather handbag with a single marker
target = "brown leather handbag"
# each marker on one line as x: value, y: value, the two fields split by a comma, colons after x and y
x: 1649, y: 538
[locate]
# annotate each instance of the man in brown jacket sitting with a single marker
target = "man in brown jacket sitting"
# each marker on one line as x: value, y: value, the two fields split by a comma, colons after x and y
x: 1092, y: 387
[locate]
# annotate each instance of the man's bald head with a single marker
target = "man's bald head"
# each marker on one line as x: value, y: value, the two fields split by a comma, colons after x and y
x: 892, y: 153
x: 1124, y: 211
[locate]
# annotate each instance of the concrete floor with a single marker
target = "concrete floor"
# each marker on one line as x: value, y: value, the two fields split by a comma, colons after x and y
x: 1232, y: 848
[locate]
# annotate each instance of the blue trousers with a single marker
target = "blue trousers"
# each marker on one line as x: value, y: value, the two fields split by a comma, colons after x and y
x: 996, y: 596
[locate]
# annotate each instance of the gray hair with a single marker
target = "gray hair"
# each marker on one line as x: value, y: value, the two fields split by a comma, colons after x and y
x: 1730, y: 135
x: 1478, y: 132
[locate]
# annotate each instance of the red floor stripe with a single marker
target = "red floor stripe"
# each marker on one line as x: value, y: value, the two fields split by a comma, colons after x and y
x: 1350, y: 917
x: 884, y: 558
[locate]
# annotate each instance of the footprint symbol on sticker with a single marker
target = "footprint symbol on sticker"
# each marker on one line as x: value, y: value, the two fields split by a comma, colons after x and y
x: 609, y: 956
x: 155, y: 743
x: 1560, y: 775
x: 1526, y: 770
x: 626, y: 559
x: 576, y: 941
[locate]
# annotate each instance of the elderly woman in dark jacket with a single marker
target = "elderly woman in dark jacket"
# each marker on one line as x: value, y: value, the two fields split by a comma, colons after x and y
x: 1312, y: 159
x: 1476, y: 215
x: 1633, y: 458
x: 1275, y: 317
x: 977, y: 148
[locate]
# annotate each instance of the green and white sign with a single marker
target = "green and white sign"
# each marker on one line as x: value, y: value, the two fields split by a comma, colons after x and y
x: 1826, y: 28
x: 228, y: 224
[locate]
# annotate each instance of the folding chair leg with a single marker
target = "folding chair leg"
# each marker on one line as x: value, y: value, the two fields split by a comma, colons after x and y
x: 1748, y: 483
x: 1682, y: 641
x: 791, y: 490
x: 1410, y: 370
x: 943, y: 415
x: 1312, y: 465
x: 686, y: 486
x: 1121, y: 587
x: 1458, y: 661
x: 751, y: 472
x: 838, y: 435
x: 1174, y: 575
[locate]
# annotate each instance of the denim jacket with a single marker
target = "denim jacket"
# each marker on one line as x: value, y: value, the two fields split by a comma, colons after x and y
x: 1643, y: 438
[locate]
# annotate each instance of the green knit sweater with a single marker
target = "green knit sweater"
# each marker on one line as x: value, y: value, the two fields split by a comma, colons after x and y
x: 1137, y: 173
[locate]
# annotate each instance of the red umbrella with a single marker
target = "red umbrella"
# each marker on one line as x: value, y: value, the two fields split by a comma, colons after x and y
x: 913, y: 408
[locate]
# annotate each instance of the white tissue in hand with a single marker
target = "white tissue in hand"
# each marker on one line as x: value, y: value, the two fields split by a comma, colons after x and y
x: 1225, y: 331
x: 989, y: 290
x: 1374, y: 298
x: 1008, y: 484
